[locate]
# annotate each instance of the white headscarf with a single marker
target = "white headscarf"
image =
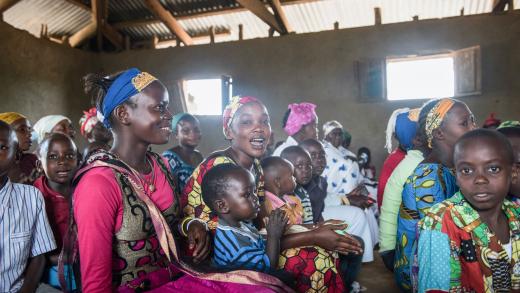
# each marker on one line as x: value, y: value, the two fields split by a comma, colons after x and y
x: 331, y: 125
x: 45, y: 125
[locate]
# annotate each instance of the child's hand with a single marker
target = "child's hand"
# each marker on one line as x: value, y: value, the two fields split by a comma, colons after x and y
x: 276, y: 223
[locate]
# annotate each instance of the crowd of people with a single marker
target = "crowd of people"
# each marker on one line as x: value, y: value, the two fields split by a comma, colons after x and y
x: 302, y: 216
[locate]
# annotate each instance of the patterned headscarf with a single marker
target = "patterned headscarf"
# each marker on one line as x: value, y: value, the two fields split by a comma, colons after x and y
x: 331, y: 125
x: 231, y: 109
x: 509, y: 123
x: 435, y: 116
x: 10, y: 117
x: 300, y: 115
x: 45, y: 125
x: 126, y: 85
x: 88, y: 121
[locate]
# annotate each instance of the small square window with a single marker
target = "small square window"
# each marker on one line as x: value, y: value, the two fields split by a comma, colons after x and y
x: 203, y: 96
x: 420, y: 77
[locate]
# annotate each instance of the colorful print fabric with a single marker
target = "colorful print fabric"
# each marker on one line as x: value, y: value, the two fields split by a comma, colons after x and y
x: 429, y: 184
x: 457, y: 252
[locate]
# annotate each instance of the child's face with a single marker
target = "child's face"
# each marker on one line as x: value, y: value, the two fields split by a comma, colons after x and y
x: 287, y: 180
x: 188, y: 133
x: 22, y: 127
x: 241, y: 198
x: 8, y: 148
x: 515, y: 143
x: 302, y: 168
x: 60, y: 162
x: 318, y: 158
x: 483, y: 173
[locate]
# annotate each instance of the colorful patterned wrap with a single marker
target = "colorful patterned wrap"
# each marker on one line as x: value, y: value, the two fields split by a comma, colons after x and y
x: 429, y: 184
x: 435, y: 117
x: 457, y: 252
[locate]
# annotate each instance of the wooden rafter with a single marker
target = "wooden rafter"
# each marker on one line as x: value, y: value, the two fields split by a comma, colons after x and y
x: 279, y: 14
x: 222, y: 11
x: 170, y: 21
x: 258, y: 8
x: 98, y: 26
x: 500, y: 5
x: 6, y: 4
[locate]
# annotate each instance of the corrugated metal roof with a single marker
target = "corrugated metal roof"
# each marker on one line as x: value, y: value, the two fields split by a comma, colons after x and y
x: 64, y: 18
x: 61, y: 17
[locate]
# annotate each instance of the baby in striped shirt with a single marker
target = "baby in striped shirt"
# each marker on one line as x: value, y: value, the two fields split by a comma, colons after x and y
x: 230, y: 191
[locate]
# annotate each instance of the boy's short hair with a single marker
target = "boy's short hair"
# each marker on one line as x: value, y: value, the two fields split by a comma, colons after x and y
x: 272, y: 167
x: 216, y: 182
x: 310, y: 142
x: 291, y: 152
x: 488, y: 134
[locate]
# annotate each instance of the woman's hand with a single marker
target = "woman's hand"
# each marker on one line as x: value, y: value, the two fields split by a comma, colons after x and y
x: 327, y: 238
x: 199, y: 241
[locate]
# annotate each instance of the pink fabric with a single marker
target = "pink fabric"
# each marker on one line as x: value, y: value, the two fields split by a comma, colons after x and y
x: 98, y: 212
x: 301, y: 114
x: 189, y: 284
x: 389, y: 165
x: 57, y: 208
x: 277, y: 203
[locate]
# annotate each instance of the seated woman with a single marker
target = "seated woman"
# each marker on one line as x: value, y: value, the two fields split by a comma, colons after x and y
x: 97, y: 135
x: 24, y: 168
x: 345, y: 189
x: 246, y: 125
x: 469, y: 242
x: 402, y: 125
x: 184, y: 157
x: 441, y: 123
x: 300, y: 122
x: 59, y: 161
x: 127, y: 214
x: 368, y: 171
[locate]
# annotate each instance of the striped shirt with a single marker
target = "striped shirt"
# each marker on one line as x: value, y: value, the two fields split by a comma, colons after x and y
x: 240, y: 247
x: 24, y: 232
x: 303, y: 195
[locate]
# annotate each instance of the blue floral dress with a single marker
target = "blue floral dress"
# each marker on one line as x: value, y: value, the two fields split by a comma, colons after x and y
x: 181, y: 170
x: 429, y: 184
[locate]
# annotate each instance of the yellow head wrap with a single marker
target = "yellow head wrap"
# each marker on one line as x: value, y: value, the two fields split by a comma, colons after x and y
x: 10, y: 117
x: 435, y: 117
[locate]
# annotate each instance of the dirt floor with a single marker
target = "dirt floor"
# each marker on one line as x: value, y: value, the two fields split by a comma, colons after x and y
x: 376, y: 278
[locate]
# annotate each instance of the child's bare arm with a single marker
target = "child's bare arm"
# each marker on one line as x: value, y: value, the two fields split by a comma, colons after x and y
x: 33, y: 273
x: 275, y: 228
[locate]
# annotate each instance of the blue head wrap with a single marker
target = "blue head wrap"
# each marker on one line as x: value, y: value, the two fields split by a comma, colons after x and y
x: 126, y: 85
x: 405, y: 130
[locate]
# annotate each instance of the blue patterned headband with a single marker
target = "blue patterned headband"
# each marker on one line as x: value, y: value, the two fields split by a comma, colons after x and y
x: 126, y: 85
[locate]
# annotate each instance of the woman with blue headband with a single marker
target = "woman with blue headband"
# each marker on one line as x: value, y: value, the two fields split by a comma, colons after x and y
x: 126, y: 211
x: 184, y: 157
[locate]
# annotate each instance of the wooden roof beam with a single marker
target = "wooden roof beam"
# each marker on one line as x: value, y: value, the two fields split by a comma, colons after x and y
x: 500, y: 5
x: 279, y: 14
x: 145, y: 22
x: 6, y: 4
x: 170, y: 21
x: 258, y: 8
